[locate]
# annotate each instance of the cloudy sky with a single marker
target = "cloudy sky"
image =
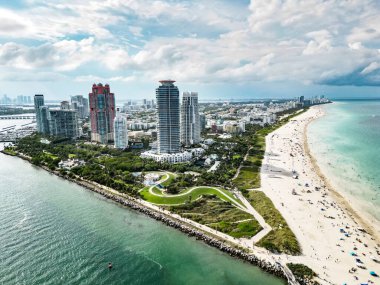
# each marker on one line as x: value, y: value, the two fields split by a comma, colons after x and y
x: 223, y: 49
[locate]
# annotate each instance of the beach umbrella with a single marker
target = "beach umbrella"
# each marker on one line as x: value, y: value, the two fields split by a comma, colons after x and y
x: 353, y: 253
x: 373, y: 273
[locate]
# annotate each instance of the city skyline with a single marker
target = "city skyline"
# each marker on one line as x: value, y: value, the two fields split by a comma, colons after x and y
x: 190, y: 142
x: 244, y: 49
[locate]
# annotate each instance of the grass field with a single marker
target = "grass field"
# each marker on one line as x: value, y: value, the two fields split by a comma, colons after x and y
x: 249, y: 177
x: 281, y: 238
x: 219, y: 215
x: 50, y: 155
x: 169, y: 180
x: 10, y: 151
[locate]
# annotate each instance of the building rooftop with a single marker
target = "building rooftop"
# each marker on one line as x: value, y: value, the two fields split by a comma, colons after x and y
x: 166, y: 81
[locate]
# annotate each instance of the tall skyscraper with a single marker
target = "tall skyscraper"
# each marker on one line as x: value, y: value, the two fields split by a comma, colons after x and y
x: 45, y: 117
x: 202, y: 119
x: 120, y: 130
x: 38, y: 102
x: 168, y: 113
x: 63, y: 123
x: 102, y: 113
x: 80, y: 104
x: 190, y: 122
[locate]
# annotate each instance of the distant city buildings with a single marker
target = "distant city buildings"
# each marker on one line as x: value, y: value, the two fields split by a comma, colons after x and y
x: 60, y: 123
x: 163, y: 128
x: 19, y: 100
x: 102, y: 113
x: 168, y: 117
x: 80, y: 104
x: 190, y: 121
x: 120, y: 131
x: 65, y: 105
x: 140, y: 105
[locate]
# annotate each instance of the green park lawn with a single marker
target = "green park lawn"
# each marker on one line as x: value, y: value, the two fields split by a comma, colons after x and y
x: 169, y: 180
x: 249, y: 177
x: 281, y: 238
x: 181, y: 199
x: 219, y: 215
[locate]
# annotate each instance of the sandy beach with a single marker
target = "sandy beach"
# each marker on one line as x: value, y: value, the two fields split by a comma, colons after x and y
x: 335, y: 240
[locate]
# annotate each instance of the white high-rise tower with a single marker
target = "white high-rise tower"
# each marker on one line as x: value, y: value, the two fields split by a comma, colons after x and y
x: 120, y: 130
x: 168, y: 114
x: 190, y: 121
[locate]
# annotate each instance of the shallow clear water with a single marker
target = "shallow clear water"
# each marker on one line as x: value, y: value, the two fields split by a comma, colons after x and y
x: 55, y: 232
x: 346, y: 142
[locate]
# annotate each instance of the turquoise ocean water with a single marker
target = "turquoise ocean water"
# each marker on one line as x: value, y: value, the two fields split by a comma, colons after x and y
x: 55, y: 232
x: 346, y: 144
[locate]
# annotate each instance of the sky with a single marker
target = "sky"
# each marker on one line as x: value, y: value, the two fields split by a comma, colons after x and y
x: 222, y: 49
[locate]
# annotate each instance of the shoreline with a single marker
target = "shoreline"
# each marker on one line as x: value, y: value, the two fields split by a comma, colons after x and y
x: 311, y: 231
x: 340, y: 197
x: 327, y: 228
x: 273, y: 268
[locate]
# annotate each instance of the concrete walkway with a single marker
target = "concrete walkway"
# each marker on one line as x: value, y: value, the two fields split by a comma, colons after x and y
x: 236, y: 204
x: 266, y: 228
x: 241, y: 164
x: 246, y: 207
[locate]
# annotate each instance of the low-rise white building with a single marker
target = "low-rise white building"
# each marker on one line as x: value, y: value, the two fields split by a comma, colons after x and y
x: 168, y: 157
x: 70, y: 163
x: 197, y: 152
x: 174, y: 157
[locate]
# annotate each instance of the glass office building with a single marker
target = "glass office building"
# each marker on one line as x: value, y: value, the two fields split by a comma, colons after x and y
x: 168, y: 117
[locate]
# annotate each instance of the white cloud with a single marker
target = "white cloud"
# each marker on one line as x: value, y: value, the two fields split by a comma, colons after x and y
x: 304, y: 41
x: 370, y: 68
x: 355, y: 45
x: 94, y: 78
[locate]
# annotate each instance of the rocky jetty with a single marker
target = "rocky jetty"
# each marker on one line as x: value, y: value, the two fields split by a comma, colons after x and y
x: 130, y: 202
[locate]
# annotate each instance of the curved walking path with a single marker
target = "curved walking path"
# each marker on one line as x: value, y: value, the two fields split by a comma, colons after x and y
x: 189, y: 191
x: 245, y: 205
x: 266, y: 228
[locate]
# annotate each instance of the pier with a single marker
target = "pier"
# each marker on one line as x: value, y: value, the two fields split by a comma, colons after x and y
x: 18, y: 117
x: 13, y: 133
